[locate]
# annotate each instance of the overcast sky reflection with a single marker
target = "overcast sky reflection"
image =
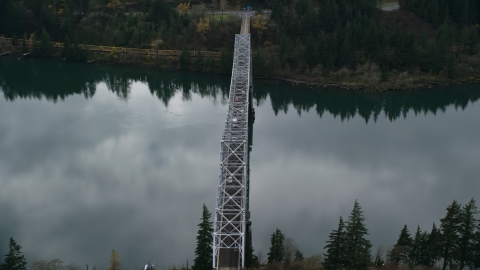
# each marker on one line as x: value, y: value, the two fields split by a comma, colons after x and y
x: 82, y: 176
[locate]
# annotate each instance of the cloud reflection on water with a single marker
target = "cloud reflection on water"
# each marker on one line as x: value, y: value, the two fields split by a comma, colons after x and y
x: 106, y: 166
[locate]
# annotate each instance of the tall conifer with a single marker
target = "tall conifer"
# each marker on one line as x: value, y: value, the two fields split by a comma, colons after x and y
x: 434, y: 246
x: 203, y: 252
x: 276, y: 247
x: 14, y: 259
x: 399, y: 253
x: 357, y: 248
x: 450, y: 229
x: 422, y: 254
x: 467, y: 235
x: 476, y: 248
x: 335, y: 255
x: 415, y: 250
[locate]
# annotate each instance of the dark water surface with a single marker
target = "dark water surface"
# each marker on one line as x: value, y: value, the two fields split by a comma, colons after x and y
x: 95, y: 158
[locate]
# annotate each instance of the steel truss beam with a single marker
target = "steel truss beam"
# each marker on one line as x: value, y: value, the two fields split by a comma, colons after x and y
x: 229, y: 234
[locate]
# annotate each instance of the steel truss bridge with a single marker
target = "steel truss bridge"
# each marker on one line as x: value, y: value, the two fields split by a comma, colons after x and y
x: 232, y: 234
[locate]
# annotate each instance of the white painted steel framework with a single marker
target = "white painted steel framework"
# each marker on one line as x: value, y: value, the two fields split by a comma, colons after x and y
x: 231, y: 213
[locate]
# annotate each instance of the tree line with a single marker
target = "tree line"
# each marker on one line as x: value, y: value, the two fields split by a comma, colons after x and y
x: 323, y: 34
x: 136, y: 24
x: 461, y: 12
x: 346, y: 33
x: 15, y: 260
x: 342, y: 104
x: 454, y: 245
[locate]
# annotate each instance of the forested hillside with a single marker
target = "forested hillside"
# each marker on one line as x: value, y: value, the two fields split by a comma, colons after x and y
x: 314, y: 38
x: 347, y: 33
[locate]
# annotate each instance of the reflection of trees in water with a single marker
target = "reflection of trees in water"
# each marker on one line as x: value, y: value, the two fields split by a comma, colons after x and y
x: 118, y: 84
x: 347, y: 104
x: 53, y: 80
x: 44, y: 79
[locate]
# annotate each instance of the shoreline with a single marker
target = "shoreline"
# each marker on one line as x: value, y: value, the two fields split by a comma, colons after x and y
x: 343, y: 78
x: 366, y: 90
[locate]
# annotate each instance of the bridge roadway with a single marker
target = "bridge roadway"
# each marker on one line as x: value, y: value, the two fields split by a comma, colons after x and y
x: 232, y: 235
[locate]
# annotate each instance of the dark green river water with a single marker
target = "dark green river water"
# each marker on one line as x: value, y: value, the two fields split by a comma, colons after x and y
x: 95, y: 158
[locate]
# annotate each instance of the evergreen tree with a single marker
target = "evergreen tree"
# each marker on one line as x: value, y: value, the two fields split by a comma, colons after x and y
x: 15, y: 18
x: 467, y: 235
x: 312, y: 56
x: 298, y: 256
x: 433, y: 12
x: 185, y: 59
x: 434, y: 246
x: 371, y: 41
x: 45, y: 48
x: 310, y: 22
x: 460, y: 12
x: 450, y: 234
x: 474, y: 12
x: 301, y: 7
x: 323, y: 49
x: 451, y: 67
x: 160, y: 13
x: 433, y: 60
x: 463, y: 39
x: 346, y: 51
x: 476, y: 248
x: 276, y: 247
x: 14, y: 259
x: 414, y: 253
x: 114, y: 261
x: 277, y: 14
x: 335, y: 255
x: 407, y: 54
x: 356, y: 246
x: 68, y: 20
x: 249, y: 261
x: 203, y: 252
x: 422, y: 254
x: 473, y: 40
x: 399, y: 253
x: 328, y: 15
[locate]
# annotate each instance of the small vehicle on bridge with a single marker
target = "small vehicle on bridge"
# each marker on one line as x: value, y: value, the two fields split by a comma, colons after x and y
x: 149, y: 266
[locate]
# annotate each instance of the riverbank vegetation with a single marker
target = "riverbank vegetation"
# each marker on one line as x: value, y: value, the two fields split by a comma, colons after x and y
x: 319, y: 41
x: 14, y: 259
x: 455, y: 244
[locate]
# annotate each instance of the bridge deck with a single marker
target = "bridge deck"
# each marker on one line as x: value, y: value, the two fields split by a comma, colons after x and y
x: 231, y: 211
